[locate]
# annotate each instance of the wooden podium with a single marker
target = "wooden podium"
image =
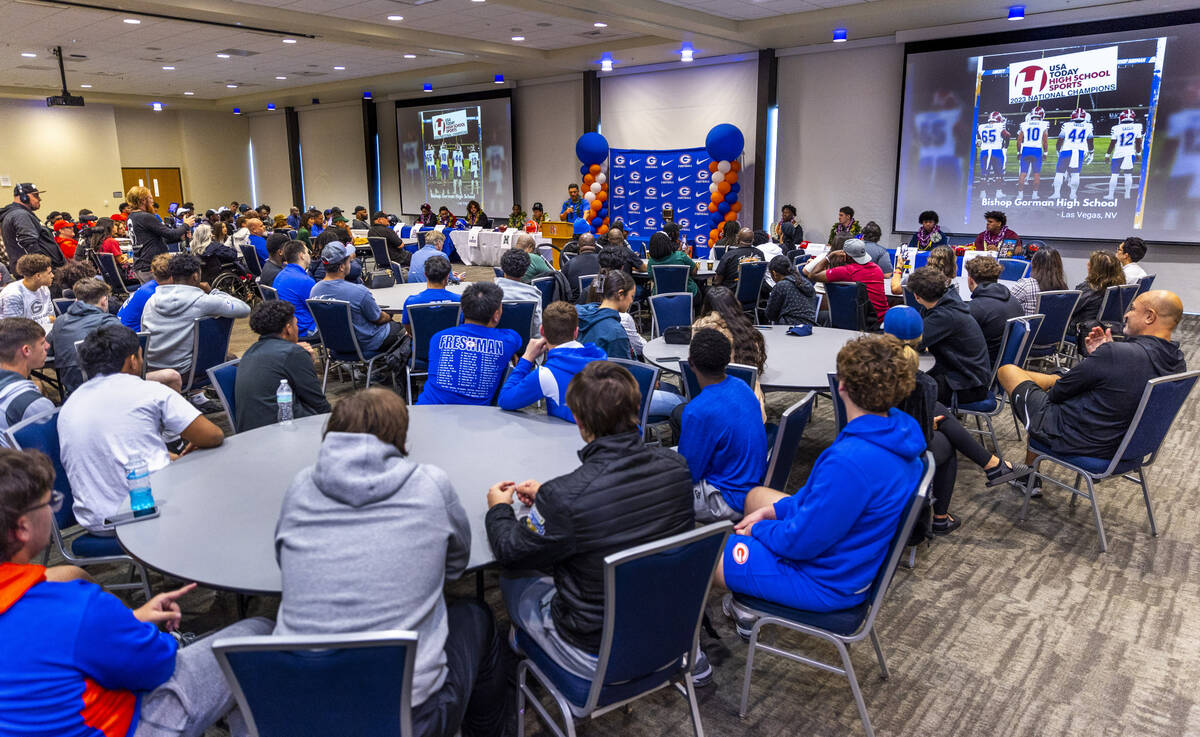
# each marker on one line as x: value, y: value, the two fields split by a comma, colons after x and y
x: 560, y: 234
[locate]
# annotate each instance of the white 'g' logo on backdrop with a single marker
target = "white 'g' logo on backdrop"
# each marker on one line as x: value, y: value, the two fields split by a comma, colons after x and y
x: 701, y: 240
x: 702, y: 175
x: 685, y: 159
x: 685, y: 192
x: 619, y: 191
x: 651, y: 223
x: 635, y: 176
x: 651, y: 161
x: 701, y: 208
x: 651, y: 192
x: 619, y: 161
x: 635, y: 207
x: 668, y: 176
x: 684, y: 224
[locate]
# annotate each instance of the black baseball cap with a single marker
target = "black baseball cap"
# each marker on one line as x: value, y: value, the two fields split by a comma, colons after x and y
x: 26, y: 188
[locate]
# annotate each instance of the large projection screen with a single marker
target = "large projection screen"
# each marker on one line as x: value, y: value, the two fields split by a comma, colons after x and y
x: 1073, y: 133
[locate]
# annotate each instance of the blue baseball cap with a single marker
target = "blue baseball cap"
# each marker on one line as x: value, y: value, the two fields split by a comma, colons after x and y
x: 904, y: 322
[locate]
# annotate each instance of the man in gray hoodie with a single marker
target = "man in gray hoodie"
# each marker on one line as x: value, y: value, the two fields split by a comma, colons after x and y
x: 366, y: 540
x: 173, y: 308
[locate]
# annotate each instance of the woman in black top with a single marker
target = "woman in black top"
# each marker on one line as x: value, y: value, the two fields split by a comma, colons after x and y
x: 793, y: 298
x: 150, y: 236
x: 475, y: 215
x: 1104, y: 271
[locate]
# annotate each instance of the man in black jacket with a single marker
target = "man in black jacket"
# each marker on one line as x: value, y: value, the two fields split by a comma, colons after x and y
x: 360, y: 218
x: 381, y: 228
x: 991, y: 303
x: 953, y: 337
x: 275, y: 357
x: 624, y: 494
x: 150, y: 237
x: 22, y: 232
x: 587, y: 263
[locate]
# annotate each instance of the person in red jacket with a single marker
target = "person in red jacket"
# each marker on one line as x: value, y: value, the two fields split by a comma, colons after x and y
x: 64, y: 236
x: 74, y: 660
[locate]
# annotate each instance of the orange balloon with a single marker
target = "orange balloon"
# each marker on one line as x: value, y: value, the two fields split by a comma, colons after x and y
x: 735, y: 207
x: 731, y: 215
x: 588, y: 179
x: 712, y: 207
x: 603, y: 195
x: 713, y: 235
x: 730, y: 177
x: 594, y: 169
x: 735, y: 166
x: 712, y: 166
x: 602, y: 229
x: 723, y: 187
x: 717, y: 198
x: 596, y: 205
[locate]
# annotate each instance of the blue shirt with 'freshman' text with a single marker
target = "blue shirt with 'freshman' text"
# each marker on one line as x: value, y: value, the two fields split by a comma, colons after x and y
x: 466, y: 364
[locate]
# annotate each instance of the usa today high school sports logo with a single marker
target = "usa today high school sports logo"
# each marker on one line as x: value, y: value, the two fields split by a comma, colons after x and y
x: 1066, y: 75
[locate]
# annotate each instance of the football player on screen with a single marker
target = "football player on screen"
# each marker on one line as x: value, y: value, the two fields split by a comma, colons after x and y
x: 473, y: 162
x: 938, y: 132
x: 430, y: 169
x: 444, y: 159
x: 993, y: 150
x: 1033, y: 143
x: 1124, y: 145
x: 1074, y: 147
x: 458, y: 161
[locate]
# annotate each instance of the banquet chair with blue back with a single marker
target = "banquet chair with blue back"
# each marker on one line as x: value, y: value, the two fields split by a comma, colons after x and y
x: 1057, y: 307
x: 223, y: 378
x: 646, y: 377
x: 691, y: 384
x: 210, y: 345
x: 1013, y: 268
x: 518, y: 315
x: 547, y: 285
x: 253, y: 265
x: 426, y: 320
x: 670, y: 278
x: 787, y: 440
x: 1145, y: 283
x: 669, y: 310
x: 1116, y: 303
x: 339, y: 339
x: 1014, y: 346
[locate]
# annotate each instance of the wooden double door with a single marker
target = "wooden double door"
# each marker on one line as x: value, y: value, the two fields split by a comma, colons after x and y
x: 165, y: 183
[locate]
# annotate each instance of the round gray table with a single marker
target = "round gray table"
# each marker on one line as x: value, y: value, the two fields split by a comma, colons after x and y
x: 793, y: 363
x: 392, y: 298
x: 219, y: 507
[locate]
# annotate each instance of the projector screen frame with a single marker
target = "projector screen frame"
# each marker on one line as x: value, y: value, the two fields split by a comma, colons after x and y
x: 455, y: 99
x: 1162, y: 20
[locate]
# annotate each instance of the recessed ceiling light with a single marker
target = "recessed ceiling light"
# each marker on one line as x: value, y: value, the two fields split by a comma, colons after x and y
x: 281, y: 78
x: 600, y: 24
x: 231, y: 86
x: 477, y: 1
x: 156, y: 107
x: 168, y: 69
x: 410, y: 56
x: 395, y: 17
x: 222, y: 56
x: 132, y: 21
x: 189, y: 94
x: 339, y: 69
x: 1016, y: 12
x: 518, y: 38
x: 86, y: 86
x: 28, y: 54
x: 289, y: 40
x: 499, y: 79
x: 839, y: 35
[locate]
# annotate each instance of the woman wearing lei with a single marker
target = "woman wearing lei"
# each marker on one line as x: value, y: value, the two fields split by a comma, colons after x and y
x: 929, y: 235
x: 847, y: 227
x: 475, y: 215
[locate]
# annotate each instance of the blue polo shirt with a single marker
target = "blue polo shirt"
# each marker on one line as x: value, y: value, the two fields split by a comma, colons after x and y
x: 364, y: 310
x: 416, y: 268
x: 293, y: 284
x: 131, y: 312
x: 260, y: 246
x: 428, y: 296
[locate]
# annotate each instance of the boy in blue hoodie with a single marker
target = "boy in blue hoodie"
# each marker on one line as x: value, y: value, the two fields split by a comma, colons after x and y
x: 565, y: 357
x: 74, y: 661
x: 819, y: 549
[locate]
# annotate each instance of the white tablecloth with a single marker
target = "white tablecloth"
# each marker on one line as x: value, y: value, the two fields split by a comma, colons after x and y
x: 485, y: 247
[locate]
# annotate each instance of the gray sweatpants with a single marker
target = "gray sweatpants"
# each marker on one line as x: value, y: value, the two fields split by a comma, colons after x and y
x: 197, y: 695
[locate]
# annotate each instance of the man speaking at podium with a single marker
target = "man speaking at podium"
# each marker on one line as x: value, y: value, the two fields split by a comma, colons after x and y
x: 574, y: 206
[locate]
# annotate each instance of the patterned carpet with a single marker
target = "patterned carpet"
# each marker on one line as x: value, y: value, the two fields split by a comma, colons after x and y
x: 1003, y: 628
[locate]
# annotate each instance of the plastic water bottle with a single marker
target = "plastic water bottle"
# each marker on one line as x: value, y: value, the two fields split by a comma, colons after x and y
x: 283, y: 400
x: 137, y: 478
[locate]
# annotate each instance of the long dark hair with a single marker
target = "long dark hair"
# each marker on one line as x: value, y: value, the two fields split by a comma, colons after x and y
x: 784, y: 266
x: 729, y: 233
x: 661, y: 246
x: 749, y: 346
x: 609, y: 284
x: 1046, y: 268
x: 103, y: 228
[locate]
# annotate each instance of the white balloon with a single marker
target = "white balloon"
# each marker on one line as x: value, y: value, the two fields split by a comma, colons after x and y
x: 717, y: 177
x: 596, y: 187
x: 589, y: 196
x: 723, y: 166
x: 600, y: 178
x: 712, y: 188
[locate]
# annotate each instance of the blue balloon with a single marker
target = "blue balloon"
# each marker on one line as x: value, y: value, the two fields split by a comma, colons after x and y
x: 592, y: 148
x: 731, y: 197
x: 583, y: 170
x: 581, y: 226
x: 723, y: 208
x: 735, y: 187
x: 597, y: 222
x: 716, y: 217
x: 723, y: 143
x: 603, y: 212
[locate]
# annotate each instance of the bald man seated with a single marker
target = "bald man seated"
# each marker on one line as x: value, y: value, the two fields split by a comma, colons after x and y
x: 1086, y: 411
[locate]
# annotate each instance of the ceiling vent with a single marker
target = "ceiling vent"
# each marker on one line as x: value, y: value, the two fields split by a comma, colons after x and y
x: 238, y: 52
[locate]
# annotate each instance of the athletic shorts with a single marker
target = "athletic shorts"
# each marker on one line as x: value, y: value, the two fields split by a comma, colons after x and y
x: 1125, y: 163
x: 710, y: 505
x: 458, y: 171
x: 991, y: 162
x: 753, y: 569
x: 1029, y: 403
x: 1064, y: 162
x: 1031, y: 163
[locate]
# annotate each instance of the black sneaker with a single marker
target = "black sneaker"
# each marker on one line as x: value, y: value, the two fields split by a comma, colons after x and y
x: 702, y: 670
x: 743, y: 621
x: 1005, y: 472
x: 946, y: 525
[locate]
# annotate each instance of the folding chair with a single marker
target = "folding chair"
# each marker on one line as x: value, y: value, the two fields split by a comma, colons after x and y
x: 339, y: 339
x: 749, y: 284
x: 1056, y: 307
x: 518, y: 315
x: 585, y: 282
x: 647, y: 378
x: 62, y: 305
x: 669, y: 310
x: 41, y: 433
x: 253, y: 265
x: 223, y: 378
x: 112, y: 275
x: 1014, y: 268
x: 547, y: 286
x: 1161, y: 401
x: 669, y: 279
x: 267, y: 293
x: 210, y: 345
x: 691, y: 384
x: 841, y: 628
x: 847, y: 305
x: 379, y: 252
x: 1116, y: 303
x: 319, y: 685
x: 426, y: 320
x: 787, y: 440
x: 499, y: 272
x: 1017, y: 332
x: 650, y: 637
x: 1145, y: 283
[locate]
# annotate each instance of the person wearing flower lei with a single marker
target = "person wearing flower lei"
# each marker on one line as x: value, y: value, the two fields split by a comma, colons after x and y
x: 997, y: 231
x: 517, y: 218
x: 847, y: 227
x: 929, y: 235
x: 445, y: 218
x: 426, y: 217
x: 475, y: 215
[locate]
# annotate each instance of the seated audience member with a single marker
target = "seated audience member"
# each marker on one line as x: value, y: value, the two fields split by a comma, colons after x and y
x: 724, y: 313
x: 729, y: 234
x: 929, y: 234
x: 275, y: 260
x: 664, y: 252
x: 293, y: 218
x: 173, y: 308
x: 66, y: 275
x: 852, y: 264
x: 1086, y: 411
x: 23, y: 348
x: 131, y: 310
x: 202, y: 236
x: 616, y: 246
x: 437, y: 276
x: 467, y: 362
x: 537, y: 264
x: 953, y: 337
x: 360, y: 218
x: 102, y: 239
x: 88, y: 312
x: 412, y: 517
x: 871, y: 233
x: 293, y: 285
x: 585, y: 263
x: 601, y: 323
x: 1045, y: 275
x: 257, y: 237
x: 768, y: 249
x: 514, y: 263
x: 29, y: 296
x: 846, y: 227
x: 1103, y: 271
x: 565, y: 357
x: 1130, y: 252
x: 375, y: 330
x: 820, y: 548
x: 941, y: 258
x: 64, y: 236
x: 275, y: 357
x: 741, y: 252
x: 134, y: 415
x: 381, y: 227
x: 625, y: 493
x: 433, y: 247
x: 76, y: 660
x: 991, y: 303
x: 334, y: 235
x: 721, y: 432
x: 793, y: 299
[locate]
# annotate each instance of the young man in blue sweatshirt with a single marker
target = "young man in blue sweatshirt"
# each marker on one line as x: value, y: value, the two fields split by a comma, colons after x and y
x: 467, y: 362
x: 721, y: 432
x: 74, y: 660
x: 131, y: 311
x: 437, y: 275
x: 565, y: 357
x: 820, y: 548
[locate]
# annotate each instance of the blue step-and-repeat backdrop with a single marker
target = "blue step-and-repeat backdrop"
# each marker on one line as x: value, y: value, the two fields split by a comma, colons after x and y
x: 642, y: 183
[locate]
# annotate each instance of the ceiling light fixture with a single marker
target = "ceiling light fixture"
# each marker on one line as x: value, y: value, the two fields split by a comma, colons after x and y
x: 237, y: 111
x: 156, y: 107
x: 428, y: 87
x: 271, y: 106
x: 477, y: 1
x: 281, y: 78
x: 133, y: 21
x: 410, y: 56
x: 231, y: 86
x: 600, y: 24
x: 499, y: 79
x: 395, y: 17
x: 189, y: 93
x: 366, y: 95
x: 1016, y: 12
x: 86, y: 86
x: 339, y: 69
x: 222, y: 56
x: 168, y: 69
x: 518, y: 38
x: 685, y: 54
x: 289, y: 40
x: 839, y: 35
x: 606, y: 63
x: 28, y: 54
